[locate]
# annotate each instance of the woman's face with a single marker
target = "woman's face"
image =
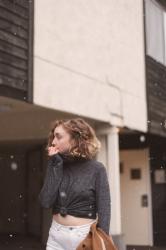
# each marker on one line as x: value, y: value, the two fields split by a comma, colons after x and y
x: 62, y: 139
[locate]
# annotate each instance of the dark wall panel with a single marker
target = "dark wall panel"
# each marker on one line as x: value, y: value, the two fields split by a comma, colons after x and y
x: 16, y: 40
x: 156, y: 96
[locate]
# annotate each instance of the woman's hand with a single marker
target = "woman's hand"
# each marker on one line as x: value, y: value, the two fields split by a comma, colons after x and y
x: 52, y: 150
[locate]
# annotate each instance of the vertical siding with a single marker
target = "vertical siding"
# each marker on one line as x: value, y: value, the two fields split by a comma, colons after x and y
x: 156, y: 96
x: 15, y: 48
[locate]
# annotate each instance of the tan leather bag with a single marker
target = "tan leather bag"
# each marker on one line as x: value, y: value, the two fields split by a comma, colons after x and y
x: 97, y: 239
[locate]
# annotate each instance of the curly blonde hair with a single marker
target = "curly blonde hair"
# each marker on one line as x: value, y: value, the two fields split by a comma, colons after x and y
x: 86, y: 144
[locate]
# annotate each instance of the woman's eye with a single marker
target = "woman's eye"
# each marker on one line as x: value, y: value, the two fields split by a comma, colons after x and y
x: 59, y: 137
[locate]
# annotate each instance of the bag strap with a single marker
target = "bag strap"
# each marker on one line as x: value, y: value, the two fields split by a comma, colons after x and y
x: 102, y: 241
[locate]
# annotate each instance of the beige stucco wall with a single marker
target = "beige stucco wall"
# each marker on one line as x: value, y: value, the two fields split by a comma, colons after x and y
x: 89, y: 59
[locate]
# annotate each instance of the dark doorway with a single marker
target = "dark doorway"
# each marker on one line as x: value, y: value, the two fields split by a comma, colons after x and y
x: 12, y: 193
x: 20, y: 183
x: 34, y: 176
x: 158, y: 178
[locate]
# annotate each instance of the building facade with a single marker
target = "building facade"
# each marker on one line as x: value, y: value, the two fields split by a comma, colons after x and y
x: 143, y: 157
x: 84, y: 59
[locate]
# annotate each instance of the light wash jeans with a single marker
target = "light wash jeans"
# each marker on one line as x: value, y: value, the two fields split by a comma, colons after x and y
x: 66, y: 237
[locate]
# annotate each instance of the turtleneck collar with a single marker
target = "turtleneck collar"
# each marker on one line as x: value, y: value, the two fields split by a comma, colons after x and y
x: 67, y: 158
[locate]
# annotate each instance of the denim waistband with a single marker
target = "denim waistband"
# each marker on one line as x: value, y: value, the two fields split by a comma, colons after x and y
x: 58, y: 225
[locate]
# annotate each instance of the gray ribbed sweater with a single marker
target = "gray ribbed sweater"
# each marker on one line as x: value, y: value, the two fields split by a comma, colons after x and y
x: 78, y: 187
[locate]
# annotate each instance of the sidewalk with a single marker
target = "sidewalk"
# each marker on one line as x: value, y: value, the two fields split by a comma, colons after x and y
x: 19, y: 242
x: 145, y: 248
x: 30, y: 243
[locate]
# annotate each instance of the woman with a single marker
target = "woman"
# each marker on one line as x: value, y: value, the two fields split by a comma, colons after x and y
x: 76, y: 185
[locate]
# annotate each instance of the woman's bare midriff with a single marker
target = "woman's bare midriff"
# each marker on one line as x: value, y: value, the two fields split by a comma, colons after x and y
x: 70, y: 220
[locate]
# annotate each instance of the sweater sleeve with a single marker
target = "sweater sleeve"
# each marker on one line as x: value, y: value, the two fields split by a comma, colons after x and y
x: 52, y: 180
x: 103, y: 199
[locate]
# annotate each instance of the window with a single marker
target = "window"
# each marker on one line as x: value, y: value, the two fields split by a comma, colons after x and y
x: 155, y: 31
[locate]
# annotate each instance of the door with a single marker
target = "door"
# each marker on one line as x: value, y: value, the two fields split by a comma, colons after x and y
x: 158, y: 178
x: 136, y: 197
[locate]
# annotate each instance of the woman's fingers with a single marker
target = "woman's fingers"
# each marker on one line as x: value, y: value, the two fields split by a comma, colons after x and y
x: 52, y: 150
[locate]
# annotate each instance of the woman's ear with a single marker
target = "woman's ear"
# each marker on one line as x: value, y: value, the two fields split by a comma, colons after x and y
x: 72, y: 143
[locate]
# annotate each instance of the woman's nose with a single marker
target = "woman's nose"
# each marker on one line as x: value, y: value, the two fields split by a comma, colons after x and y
x: 54, y: 142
